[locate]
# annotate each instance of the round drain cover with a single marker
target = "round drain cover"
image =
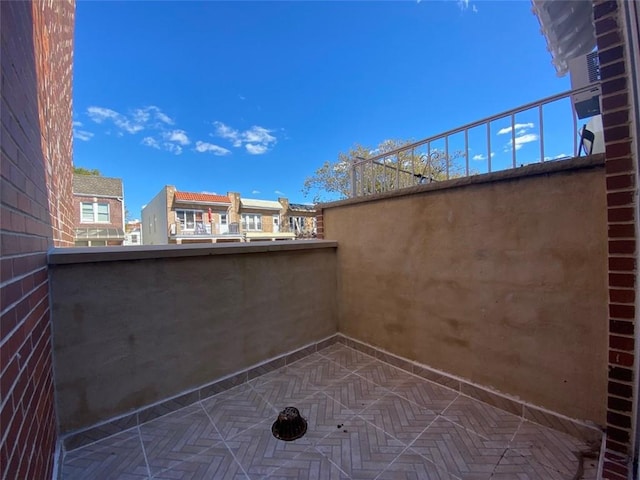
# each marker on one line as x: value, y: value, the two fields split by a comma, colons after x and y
x: 289, y: 425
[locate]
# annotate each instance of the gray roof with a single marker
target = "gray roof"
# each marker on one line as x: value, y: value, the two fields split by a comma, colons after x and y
x: 302, y: 207
x: 95, y: 185
x: 262, y: 204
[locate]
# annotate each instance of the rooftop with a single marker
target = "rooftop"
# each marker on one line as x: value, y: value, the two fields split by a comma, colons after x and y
x: 97, y: 185
x: 201, y: 197
x: 366, y: 419
x: 261, y: 204
x: 302, y: 207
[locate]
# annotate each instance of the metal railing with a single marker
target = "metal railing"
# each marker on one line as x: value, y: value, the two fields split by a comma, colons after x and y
x: 203, y: 230
x: 418, y: 162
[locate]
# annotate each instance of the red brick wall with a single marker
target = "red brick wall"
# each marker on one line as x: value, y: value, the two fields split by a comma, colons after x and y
x: 319, y: 223
x: 621, y: 181
x: 35, y: 213
x: 115, y: 212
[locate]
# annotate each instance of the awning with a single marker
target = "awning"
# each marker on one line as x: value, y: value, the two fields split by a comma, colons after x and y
x: 568, y: 28
x: 260, y: 204
x: 106, y: 233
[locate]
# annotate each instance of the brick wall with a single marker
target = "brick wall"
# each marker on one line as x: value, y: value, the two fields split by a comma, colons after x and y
x: 319, y: 223
x: 35, y: 203
x: 115, y: 212
x: 621, y: 181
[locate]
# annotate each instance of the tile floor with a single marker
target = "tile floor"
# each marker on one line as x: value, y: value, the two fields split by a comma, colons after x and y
x: 366, y: 420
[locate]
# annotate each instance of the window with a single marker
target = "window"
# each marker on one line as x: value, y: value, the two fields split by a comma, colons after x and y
x: 251, y: 221
x: 296, y: 224
x: 192, y: 221
x: 94, y: 212
x: 224, y: 219
x: 188, y: 218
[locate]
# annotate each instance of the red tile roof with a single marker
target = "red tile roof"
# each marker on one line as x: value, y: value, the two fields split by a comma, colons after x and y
x: 201, y: 197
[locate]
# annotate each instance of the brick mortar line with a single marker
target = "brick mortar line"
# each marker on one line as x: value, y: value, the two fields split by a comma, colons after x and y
x: 26, y: 214
x: 5, y: 340
x: 18, y: 278
x: 21, y: 299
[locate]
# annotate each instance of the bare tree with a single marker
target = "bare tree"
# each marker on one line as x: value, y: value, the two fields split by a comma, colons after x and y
x: 333, y: 180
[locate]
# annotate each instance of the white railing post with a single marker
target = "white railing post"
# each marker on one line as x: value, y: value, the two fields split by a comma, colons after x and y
x: 378, y: 181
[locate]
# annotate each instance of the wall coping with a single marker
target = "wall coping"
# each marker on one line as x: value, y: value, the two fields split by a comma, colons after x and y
x: 73, y: 255
x: 535, y: 169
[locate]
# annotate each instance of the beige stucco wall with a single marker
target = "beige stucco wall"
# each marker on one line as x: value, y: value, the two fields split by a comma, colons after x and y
x: 502, y: 283
x: 132, y: 332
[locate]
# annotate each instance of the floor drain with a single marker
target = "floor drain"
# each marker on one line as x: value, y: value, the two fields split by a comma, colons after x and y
x: 289, y: 425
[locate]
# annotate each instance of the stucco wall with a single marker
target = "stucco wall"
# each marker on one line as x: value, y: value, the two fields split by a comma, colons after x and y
x: 155, y: 225
x: 132, y: 332
x: 502, y: 283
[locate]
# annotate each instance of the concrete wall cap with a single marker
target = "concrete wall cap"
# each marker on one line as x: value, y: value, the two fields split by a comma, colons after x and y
x: 65, y: 256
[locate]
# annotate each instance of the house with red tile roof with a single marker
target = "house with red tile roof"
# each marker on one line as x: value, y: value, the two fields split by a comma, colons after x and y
x: 176, y: 217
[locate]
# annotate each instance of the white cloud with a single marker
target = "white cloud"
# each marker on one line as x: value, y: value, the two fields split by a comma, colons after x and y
x: 255, y: 192
x: 164, y: 118
x: 557, y: 157
x: 178, y: 136
x: 259, y: 135
x: 521, y: 128
x: 151, y: 112
x: 229, y: 133
x: 521, y: 140
x: 138, y: 119
x: 203, y: 147
x: 82, y: 134
x: 464, y: 5
x: 255, y: 149
x: 150, y: 142
x: 100, y: 114
x: 242, y: 97
x: 173, y: 148
x: 482, y: 156
x: 256, y: 139
x: 278, y: 192
x: 77, y: 124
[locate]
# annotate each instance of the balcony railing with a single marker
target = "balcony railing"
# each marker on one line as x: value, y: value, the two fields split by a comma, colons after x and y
x: 204, y: 230
x: 472, y: 149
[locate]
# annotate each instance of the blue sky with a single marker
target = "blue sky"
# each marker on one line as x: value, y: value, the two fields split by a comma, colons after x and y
x: 253, y: 97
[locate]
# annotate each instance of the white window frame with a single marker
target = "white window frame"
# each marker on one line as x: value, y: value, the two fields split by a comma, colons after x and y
x: 297, y: 224
x: 95, y: 212
x: 194, y: 214
x: 224, y: 219
x: 252, y: 222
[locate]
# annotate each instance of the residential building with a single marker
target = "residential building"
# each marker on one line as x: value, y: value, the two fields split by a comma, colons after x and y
x: 133, y: 233
x: 299, y: 218
x: 515, y: 289
x: 178, y: 217
x: 259, y: 219
x: 98, y: 204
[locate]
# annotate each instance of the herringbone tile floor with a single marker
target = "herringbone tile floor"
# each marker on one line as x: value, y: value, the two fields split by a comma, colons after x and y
x: 366, y: 420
